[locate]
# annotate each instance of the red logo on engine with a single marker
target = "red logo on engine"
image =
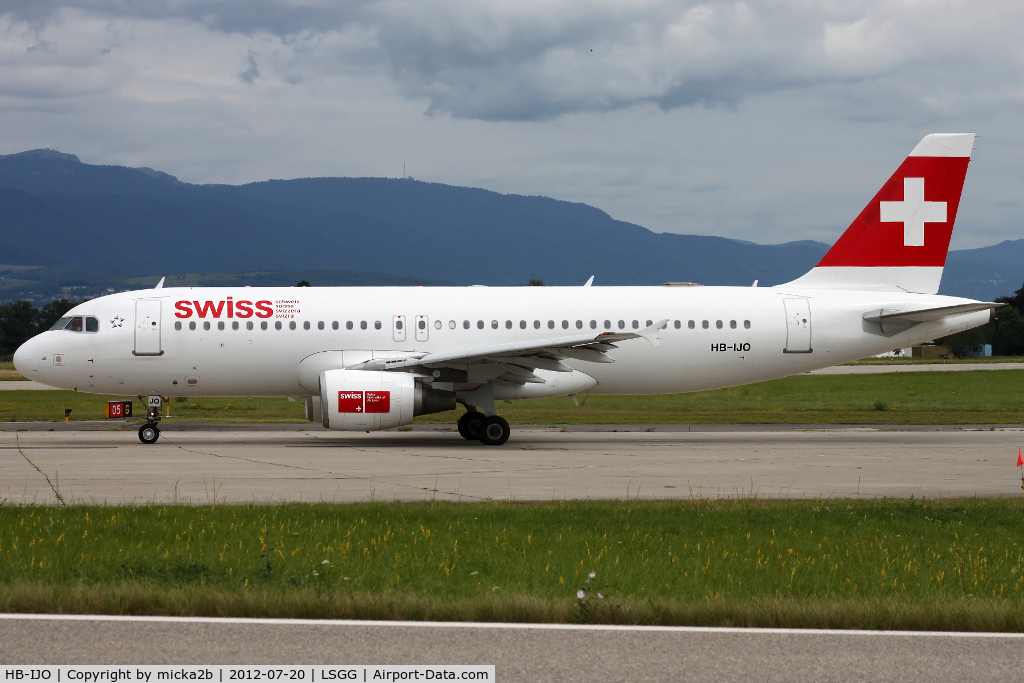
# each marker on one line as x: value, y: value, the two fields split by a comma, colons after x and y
x: 350, y: 401
x: 378, y: 401
x: 364, y: 402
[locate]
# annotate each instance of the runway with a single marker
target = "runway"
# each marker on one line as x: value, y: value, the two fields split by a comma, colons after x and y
x: 522, y: 652
x: 267, y: 463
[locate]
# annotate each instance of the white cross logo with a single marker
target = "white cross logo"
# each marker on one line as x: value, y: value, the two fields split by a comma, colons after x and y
x: 913, y: 212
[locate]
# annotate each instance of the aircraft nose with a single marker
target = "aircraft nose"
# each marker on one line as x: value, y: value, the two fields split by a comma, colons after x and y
x: 26, y: 359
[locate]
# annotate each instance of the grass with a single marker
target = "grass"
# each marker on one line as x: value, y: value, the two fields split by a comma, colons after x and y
x: 983, y: 397
x: 845, y: 564
x: 8, y: 373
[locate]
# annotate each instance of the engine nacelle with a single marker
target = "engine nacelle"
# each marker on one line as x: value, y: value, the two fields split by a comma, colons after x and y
x: 366, y: 400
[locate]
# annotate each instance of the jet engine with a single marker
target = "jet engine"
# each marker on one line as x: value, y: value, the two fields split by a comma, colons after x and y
x: 365, y: 400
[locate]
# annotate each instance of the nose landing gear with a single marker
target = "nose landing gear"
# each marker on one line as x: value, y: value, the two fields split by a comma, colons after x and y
x: 149, y: 433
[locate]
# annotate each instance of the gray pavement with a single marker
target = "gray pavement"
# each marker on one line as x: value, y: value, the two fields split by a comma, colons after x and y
x: 521, y: 652
x: 25, y: 385
x: 924, y: 367
x: 238, y: 464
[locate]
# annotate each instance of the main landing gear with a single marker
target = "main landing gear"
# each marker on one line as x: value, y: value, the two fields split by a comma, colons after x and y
x: 491, y: 431
x: 149, y: 433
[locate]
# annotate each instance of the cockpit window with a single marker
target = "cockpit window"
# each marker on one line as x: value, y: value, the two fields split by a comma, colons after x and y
x: 77, y: 324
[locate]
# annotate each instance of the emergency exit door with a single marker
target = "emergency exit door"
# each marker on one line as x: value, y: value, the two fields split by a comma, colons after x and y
x: 147, y: 328
x: 798, y: 326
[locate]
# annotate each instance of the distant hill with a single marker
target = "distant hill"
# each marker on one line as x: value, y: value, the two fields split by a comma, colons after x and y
x: 60, y: 214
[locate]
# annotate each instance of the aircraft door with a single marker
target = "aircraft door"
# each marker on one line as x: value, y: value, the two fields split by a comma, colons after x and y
x: 398, y: 326
x: 147, y: 328
x: 422, y: 328
x: 798, y: 326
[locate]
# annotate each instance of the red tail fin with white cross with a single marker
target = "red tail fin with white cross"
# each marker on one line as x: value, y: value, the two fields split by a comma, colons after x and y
x: 899, y: 241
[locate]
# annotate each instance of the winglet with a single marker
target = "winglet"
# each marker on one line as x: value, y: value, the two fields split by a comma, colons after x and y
x: 650, y: 333
x: 160, y: 285
x: 589, y: 282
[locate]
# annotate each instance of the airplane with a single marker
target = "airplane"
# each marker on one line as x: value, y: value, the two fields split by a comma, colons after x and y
x: 373, y: 358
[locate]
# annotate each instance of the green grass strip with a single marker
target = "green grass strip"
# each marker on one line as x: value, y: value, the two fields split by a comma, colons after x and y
x: 843, y: 564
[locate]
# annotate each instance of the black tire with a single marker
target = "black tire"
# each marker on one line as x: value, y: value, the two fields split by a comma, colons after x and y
x: 494, y: 431
x: 148, y: 434
x: 469, y: 425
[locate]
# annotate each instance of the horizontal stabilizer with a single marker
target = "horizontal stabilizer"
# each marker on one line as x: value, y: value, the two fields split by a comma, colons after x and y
x: 926, y: 314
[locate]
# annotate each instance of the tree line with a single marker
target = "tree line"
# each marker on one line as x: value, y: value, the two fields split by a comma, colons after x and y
x: 20, y: 321
x: 1005, y: 333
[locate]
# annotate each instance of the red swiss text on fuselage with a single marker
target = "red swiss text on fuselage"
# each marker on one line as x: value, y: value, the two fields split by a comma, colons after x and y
x: 228, y: 308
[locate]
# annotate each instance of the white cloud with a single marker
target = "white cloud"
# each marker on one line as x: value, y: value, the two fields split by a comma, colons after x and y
x: 720, y: 117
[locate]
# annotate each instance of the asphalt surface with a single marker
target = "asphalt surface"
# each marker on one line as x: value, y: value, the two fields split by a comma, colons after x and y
x: 537, y: 654
x: 240, y: 464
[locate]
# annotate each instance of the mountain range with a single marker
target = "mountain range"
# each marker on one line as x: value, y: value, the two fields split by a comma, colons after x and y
x: 86, y: 226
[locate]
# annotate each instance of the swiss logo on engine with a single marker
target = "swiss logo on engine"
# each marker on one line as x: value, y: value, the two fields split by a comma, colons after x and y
x: 378, y: 401
x: 350, y: 401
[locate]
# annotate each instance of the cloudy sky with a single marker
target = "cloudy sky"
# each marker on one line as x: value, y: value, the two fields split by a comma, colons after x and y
x: 766, y: 120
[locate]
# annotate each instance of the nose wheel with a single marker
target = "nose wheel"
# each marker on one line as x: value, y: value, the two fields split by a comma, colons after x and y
x: 148, y: 433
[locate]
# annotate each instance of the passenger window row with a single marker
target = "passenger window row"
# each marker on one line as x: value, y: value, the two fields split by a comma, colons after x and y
x: 92, y: 325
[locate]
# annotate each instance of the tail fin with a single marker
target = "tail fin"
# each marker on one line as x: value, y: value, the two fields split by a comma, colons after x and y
x: 899, y: 241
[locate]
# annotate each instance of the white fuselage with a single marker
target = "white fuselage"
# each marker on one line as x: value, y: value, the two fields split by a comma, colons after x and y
x: 265, y: 362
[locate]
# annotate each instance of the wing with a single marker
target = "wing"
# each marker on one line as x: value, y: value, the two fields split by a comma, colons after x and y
x: 515, y: 362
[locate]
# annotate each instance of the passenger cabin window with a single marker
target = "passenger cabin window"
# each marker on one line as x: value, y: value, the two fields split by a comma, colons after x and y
x: 348, y: 325
x: 494, y: 324
x: 422, y: 324
x: 565, y: 324
x: 248, y: 325
x: 192, y: 325
x: 746, y: 324
x: 678, y: 324
x: 234, y: 325
x: 437, y: 324
x: 277, y: 325
x: 636, y: 324
x: 362, y: 324
x: 704, y: 324
x: 220, y: 325
x: 263, y: 325
x: 718, y: 324
x: 732, y: 324
x: 579, y: 324
x: 177, y: 325
x: 451, y: 324
x: 320, y: 325
x: 593, y: 324
x: 622, y: 324
x: 508, y: 324
x: 607, y: 324
x: 536, y: 324
x: 691, y: 324
x: 291, y: 325
x: 522, y: 324
x: 551, y: 324
x: 479, y: 324
x: 376, y: 325
x: 649, y: 323
x: 465, y: 324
